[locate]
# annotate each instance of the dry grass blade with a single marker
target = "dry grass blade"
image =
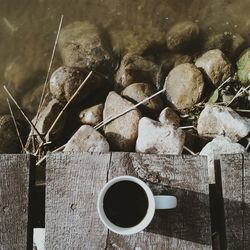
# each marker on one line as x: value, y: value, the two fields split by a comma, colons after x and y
x: 111, y: 118
x: 22, y: 112
x: 239, y: 93
x: 189, y: 150
x: 68, y: 103
x: 50, y: 66
x: 14, y: 121
x: 226, y: 81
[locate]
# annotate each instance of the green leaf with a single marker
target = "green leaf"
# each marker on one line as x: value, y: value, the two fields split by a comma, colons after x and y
x: 214, y: 97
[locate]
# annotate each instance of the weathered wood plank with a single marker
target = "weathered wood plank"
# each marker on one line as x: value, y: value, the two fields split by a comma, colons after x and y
x: 72, y: 185
x: 15, y: 181
x: 186, y: 227
x: 235, y: 181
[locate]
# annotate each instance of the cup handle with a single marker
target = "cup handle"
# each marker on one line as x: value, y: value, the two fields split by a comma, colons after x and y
x: 165, y: 202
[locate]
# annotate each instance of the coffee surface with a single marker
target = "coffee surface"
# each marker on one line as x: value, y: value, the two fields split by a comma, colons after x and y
x: 125, y: 204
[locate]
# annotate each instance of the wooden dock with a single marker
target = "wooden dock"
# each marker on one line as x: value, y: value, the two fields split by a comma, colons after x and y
x: 215, y: 216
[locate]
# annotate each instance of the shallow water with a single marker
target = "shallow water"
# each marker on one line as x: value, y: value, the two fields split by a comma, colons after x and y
x: 28, y: 28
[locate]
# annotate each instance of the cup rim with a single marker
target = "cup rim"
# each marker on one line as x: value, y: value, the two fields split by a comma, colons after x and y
x: 126, y: 230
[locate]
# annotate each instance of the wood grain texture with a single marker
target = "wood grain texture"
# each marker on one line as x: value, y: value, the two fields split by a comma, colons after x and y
x: 74, y: 181
x: 235, y: 180
x: 72, y: 185
x: 15, y: 229
x: 187, y: 226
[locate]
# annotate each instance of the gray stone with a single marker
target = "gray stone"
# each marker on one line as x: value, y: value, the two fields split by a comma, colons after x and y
x: 137, y: 92
x: 180, y: 59
x: 9, y: 142
x: 122, y: 132
x: 215, y: 65
x: 184, y: 85
x: 47, y: 117
x: 81, y: 45
x: 135, y: 69
x: 169, y: 117
x: 92, y: 116
x: 157, y: 138
x: 219, y: 145
x: 216, y: 120
x: 182, y: 35
x: 87, y: 139
x: 66, y: 80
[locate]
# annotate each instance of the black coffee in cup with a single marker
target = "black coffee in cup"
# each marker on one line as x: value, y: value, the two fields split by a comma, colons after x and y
x: 125, y: 204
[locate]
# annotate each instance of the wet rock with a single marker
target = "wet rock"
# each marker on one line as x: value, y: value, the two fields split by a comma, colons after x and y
x: 87, y: 139
x: 122, y: 132
x: 182, y: 35
x: 31, y: 100
x: 169, y: 117
x: 180, y: 59
x: 237, y: 46
x: 81, y: 45
x: 157, y: 138
x: 137, y: 92
x: 215, y: 65
x: 134, y: 69
x: 243, y: 67
x: 218, y: 41
x: 219, y: 145
x: 66, y: 80
x: 92, y: 116
x: 184, y: 85
x: 47, y: 117
x: 9, y: 142
x: 219, y: 120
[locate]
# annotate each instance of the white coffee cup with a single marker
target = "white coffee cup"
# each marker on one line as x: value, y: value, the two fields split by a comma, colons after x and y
x: 154, y: 202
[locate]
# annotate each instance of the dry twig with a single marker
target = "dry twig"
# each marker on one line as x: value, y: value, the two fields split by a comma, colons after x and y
x: 14, y: 121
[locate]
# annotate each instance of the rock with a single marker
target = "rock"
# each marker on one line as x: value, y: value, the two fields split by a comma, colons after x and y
x: 137, y: 92
x: 215, y: 65
x: 157, y: 138
x: 122, y: 132
x: 218, y: 41
x: 87, y: 139
x: 182, y: 35
x: 184, y: 85
x: 47, y: 117
x: 219, y: 145
x: 92, y: 116
x: 169, y: 117
x: 217, y: 120
x: 81, y: 45
x: 31, y: 100
x: 65, y: 81
x: 237, y: 46
x: 243, y: 67
x: 227, y: 98
x: 9, y: 142
x: 180, y: 59
x: 134, y: 69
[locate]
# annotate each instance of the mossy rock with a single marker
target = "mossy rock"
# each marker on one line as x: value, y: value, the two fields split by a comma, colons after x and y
x: 243, y: 67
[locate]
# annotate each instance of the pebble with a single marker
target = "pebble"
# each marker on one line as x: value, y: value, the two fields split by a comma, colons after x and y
x: 182, y: 36
x: 184, y: 86
x: 157, y: 138
x: 134, y: 69
x: 217, y: 120
x: 92, y: 116
x: 215, y: 65
x: 169, y: 117
x: 87, y: 139
x: 137, y: 92
x: 122, y: 132
x: 81, y: 45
